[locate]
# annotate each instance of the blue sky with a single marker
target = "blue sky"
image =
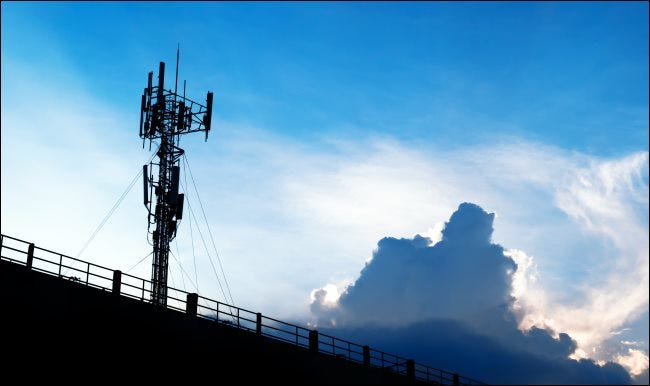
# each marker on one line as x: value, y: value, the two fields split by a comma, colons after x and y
x: 338, y: 124
x: 574, y: 67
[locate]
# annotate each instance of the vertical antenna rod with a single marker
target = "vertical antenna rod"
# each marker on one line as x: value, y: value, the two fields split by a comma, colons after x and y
x: 178, y: 53
x: 166, y: 120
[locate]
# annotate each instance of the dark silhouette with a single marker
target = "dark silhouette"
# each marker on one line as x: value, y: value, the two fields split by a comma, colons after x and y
x: 113, y: 320
x: 165, y: 115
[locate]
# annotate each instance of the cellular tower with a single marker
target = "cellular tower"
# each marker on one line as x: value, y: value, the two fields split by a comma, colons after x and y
x: 166, y: 116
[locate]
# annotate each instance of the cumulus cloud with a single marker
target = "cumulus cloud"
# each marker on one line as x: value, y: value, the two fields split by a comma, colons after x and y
x: 451, y: 304
x: 470, y: 275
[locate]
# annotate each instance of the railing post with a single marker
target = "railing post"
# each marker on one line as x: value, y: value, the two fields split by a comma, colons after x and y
x: 258, y: 324
x: 456, y: 380
x: 192, y: 304
x: 410, y: 369
x: 366, y: 355
x: 30, y: 256
x: 117, y: 282
x: 313, y: 341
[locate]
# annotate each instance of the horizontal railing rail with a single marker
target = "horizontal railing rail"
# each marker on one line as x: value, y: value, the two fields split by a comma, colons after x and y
x: 93, y: 275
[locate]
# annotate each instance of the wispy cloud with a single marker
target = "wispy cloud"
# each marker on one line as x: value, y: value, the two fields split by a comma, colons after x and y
x: 607, y: 198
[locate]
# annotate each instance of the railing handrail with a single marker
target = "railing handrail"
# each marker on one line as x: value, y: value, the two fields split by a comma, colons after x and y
x: 393, y: 362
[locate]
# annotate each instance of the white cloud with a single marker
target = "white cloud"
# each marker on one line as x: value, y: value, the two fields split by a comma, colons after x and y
x: 328, y: 295
x: 636, y: 361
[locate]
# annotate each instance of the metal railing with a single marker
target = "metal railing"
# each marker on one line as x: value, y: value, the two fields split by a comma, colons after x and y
x: 43, y: 260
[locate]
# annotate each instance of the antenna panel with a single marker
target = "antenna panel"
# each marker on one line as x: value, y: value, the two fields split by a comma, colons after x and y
x: 149, y: 83
x: 181, y: 116
x: 161, y: 84
x: 142, y: 110
x: 207, y: 118
x: 173, y: 193
x: 172, y: 229
x: 179, y: 206
x: 145, y: 185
